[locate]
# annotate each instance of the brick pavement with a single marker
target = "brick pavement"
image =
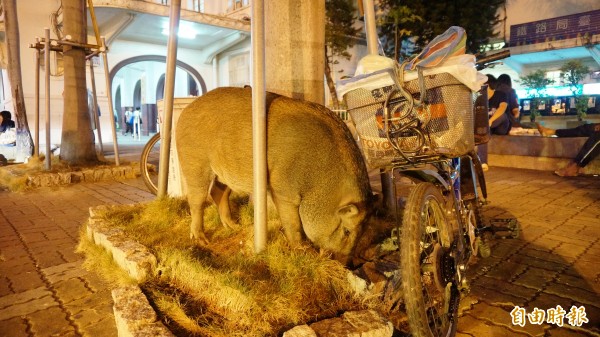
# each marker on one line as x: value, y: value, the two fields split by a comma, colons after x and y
x: 45, y: 292
x: 553, y: 262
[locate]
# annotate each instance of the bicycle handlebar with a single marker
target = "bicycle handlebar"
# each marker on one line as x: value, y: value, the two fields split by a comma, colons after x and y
x: 484, y: 61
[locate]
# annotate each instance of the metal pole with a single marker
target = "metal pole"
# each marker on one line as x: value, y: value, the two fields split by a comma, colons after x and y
x: 95, y: 107
x: 165, y: 132
x: 387, y: 181
x: 259, y: 126
x: 111, y: 112
x: 371, y: 30
x: 36, y: 142
x: 48, y: 162
x: 387, y: 189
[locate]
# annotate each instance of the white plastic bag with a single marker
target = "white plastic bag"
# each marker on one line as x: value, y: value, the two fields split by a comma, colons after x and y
x: 379, y: 75
x: 8, y: 137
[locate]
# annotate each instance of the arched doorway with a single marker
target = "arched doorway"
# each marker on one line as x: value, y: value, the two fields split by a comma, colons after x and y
x: 158, y: 58
x: 142, y: 81
x: 192, y: 87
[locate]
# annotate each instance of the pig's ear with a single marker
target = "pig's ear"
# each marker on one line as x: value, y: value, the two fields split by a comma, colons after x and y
x: 348, y: 211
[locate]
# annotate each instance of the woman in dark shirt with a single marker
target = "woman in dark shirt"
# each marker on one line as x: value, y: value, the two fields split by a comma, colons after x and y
x: 6, y: 122
x: 499, y: 120
x: 498, y: 108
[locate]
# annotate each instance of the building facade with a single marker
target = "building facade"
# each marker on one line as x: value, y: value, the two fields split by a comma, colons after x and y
x: 544, y: 35
x: 213, y: 50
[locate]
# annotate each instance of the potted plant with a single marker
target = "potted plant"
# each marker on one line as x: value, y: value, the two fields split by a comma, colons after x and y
x: 572, y: 74
x: 535, y: 83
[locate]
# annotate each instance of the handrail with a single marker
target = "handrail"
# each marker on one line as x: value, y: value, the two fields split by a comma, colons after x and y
x: 158, y: 7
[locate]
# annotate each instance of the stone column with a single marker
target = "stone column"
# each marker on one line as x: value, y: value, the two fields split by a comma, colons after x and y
x: 295, y: 42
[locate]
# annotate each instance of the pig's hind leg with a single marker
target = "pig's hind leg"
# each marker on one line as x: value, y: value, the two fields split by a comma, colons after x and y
x: 220, y: 193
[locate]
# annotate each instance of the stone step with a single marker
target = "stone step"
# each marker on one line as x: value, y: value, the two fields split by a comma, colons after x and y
x: 537, y: 153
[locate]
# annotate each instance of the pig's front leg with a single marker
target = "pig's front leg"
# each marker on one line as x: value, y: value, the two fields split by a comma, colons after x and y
x: 289, y: 214
x: 196, y: 200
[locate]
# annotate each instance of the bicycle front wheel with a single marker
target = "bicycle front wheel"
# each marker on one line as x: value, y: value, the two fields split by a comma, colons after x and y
x: 149, y: 163
x: 428, y: 269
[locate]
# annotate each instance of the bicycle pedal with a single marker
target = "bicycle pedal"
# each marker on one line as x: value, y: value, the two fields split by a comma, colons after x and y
x: 505, y: 228
x: 464, y: 286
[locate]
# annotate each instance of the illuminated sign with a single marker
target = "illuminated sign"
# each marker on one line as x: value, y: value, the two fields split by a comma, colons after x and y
x: 558, y: 91
x: 560, y: 28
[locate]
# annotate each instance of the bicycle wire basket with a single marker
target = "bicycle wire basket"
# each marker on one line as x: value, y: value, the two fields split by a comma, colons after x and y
x: 396, y: 125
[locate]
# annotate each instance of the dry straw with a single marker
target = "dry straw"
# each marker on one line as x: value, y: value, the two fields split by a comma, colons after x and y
x: 225, y: 289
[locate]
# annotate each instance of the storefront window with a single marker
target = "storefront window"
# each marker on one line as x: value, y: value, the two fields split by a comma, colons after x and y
x: 239, y: 70
x: 555, y: 76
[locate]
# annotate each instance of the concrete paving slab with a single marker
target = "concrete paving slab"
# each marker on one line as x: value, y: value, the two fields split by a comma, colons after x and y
x: 560, y: 219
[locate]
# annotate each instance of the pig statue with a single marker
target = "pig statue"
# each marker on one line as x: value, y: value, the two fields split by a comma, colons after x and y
x: 317, y: 178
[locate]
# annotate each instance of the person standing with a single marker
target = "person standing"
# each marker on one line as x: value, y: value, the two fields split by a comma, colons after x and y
x: 128, y: 116
x: 137, y: 123
x: 499, y: 121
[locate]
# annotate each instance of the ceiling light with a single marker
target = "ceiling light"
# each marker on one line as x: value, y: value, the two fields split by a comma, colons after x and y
x: 185, y: 33
x: 186, y: 30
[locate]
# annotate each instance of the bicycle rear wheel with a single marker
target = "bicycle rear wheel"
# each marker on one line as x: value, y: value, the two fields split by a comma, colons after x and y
x: 149, y: 163
x: 428, y: 269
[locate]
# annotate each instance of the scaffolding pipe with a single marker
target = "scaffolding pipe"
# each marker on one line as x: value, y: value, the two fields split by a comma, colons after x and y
x: 92, y: 54
x: 94, y: 22
x: 165, y: 132
x: 36, y: 136
x: 111, y: 112
x: 259, y: 125
x: 40, y: 45
x: 47, y: 163
x: 74, y: 44
x: 55, y: 44
x: 95, y: 107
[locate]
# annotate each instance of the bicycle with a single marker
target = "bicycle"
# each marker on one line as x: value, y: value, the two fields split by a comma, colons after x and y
x: 149, y: 163
x: 423, y: 130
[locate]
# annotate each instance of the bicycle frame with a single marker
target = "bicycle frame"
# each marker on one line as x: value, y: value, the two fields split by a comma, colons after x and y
x: 460, y: 180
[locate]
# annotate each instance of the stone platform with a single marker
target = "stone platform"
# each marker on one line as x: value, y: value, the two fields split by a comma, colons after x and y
x: 537, y: 153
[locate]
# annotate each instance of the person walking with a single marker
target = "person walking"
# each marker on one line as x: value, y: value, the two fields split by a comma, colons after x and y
x: 127, y: 120
x: 589, y: 150
x: 137, y: 123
